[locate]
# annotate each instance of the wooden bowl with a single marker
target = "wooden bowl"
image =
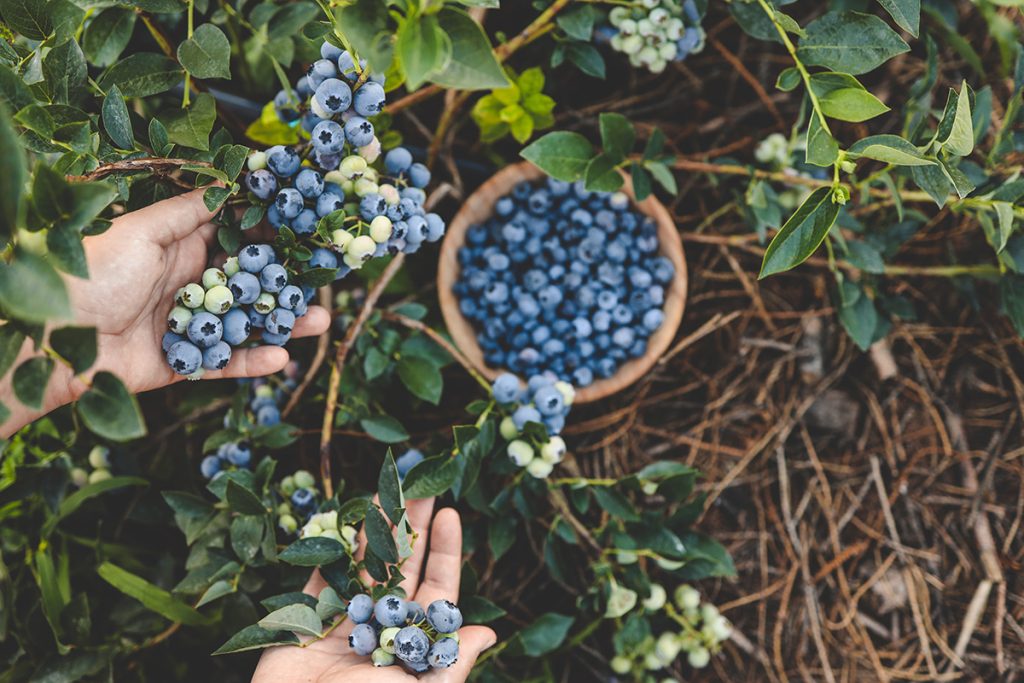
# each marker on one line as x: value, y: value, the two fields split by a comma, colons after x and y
x: 479, y: 207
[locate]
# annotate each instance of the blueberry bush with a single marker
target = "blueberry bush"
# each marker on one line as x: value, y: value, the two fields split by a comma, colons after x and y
x: 165, y: 535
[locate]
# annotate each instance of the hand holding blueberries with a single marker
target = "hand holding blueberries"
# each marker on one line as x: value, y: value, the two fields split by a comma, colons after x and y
x: 136, y: 267
x: 356, y: 652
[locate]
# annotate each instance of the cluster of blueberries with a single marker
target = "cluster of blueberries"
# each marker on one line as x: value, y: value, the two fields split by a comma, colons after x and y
x: 301, y: 499
x: 209, y: 319
x: 99, y: 461
x: 653, y: 33
x: 546, y: 401
x: 563, y: 280
x: 396, y: 630
x: 264, y: 409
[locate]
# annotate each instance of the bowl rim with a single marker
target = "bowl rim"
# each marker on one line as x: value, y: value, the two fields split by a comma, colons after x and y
x: 479, y: 206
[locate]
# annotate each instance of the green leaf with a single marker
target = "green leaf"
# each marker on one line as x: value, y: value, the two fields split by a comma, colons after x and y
x: 116, y: 120
x: 906, y: 13
x: 788, y: 79
x: 663, y: 175
x: 154, y: 598
x: 65, y: 71
x: 191, y: 127
x: 379, y: 539
x: 312, y: 552
x: 961, y: 183
x: 76, y: 345
x: 329, y: 604
x: 578, y: 24
x: 960, y: 140
x: 108, y: 410
x: 890, y: 149
x: 602, y: 174
x: 217, y: 590
x: 143, y: 74
x: 70, y: 504
x: 641, y: 181
x: 31, y: 290
x: 562, y: 155
x: 865, y: 257
x: 30, y: 18
x: 242, y: 500
x: 545, y: 635
x: 477, y: 609
x: 472, y: 64
x: 843, y: 97
x: 933, y: 180
x: 617, y: 135
x: 1011, y: 291
x: 30, y: 379
x: 1004, y: 212
x: 246, y: 535
x: 365, y: 24
x: 107, y: 35
x: 12, y: 187
x: 615, y: 504
x: 254, y: 638
x: 191, y: 513
x: 857, y: 314
x: 297, y: 618
x: 207, y: 54
x: 421, y: 378
x: 66, y: 251
x: 431, y: 477
x: 586, y: 58
x: 389, y: 489
x: 384, y: 428
x: 802, y: 234
x: 822, y: 148
x: 850, y: 42
x: 422, y: 48
x: 11, y: 341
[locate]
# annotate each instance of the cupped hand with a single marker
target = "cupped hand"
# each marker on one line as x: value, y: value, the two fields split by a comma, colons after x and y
x: 331, y: 660
x: 135, y: 269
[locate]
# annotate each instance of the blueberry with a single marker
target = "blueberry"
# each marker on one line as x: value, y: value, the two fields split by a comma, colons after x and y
x: 328, y: 137
x: 268, y: 416
x: 334, y: 96
x: 369, y: 99
x: 390, y: 610
x: 276, y: 339
x: 310, y: 121
x: 309, y: 183
x: 554, y: 424
x: 419, y: 175
x: 412, y: 644
x: 239, y: 454
x: 290, y: 297
x: 525, y: 414
x: 184, y: 357
x: 237, y: 326
x: 358, y: 131
x: 583, y: 376
x: 363, y: 639
x: 347, y: 66
x: 273, y: 278
x: 505, y: 388
x: 624, y: 337
x: 323, y: 258
x: 417, y: 228
x: 204, y: 330
x: 274, y: 217
x: 330, y: 51
x: 653, y: 319
x: 549, y: 400
x: 257, y: 319
x: 416, y: 613
x: 280, y: 321
x: 360, y: 608
x: 320, y: 70
x: 210, y: 466
x: 284, y: 104
x: 288, y: 203
x: 261, y: 183
x: 444, y: 616
x: 305, y: 222
x: 398, y: 160
x: 169, y: 340
x: 245, y: 287
x: 662, y: 270
x: 303, y: 499
x: 371, y: 206
x: 443, y: 653
x: 329, y: 202
x: 283, y: 161
x: 404, y: 463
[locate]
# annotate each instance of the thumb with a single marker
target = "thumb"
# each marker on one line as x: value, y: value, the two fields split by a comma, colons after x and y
x: 174, y: 219
x: 473, y: 640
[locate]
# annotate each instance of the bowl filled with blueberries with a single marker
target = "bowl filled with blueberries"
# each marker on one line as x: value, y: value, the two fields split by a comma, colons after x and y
x: 540, y: 276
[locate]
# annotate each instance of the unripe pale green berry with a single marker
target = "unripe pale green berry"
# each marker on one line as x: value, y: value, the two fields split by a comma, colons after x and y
x: 668, y: 647
x: 177, y: 320
x: 264, y: 391
x: 284, y: 509
x: 79, y: 477
x: 218, y: 299
x: 507, y: 429
x: 650, y: 488
x: 381, y: 658
x: 311, y: 529
x: 645, y: 27
x: 303, y: 479
x: 97, y: 476
x: 336, y: 177
x: 620, y: 601
x: 349, y: 534
x: 616, y: 16
x: 656, y: 600
x: 99, y: 457
x: 667, y: 51
x: 361, y: 249
x: 567, y: 391
x: 371, y: 175
x: 721, y: 629
x: 287, y: 523
x: 192, y: 295
x: 348, y: 187
x: 231, y: 266
x: 628, y: 27
x: 520, y: 452
x: 674, y: 29
x: 453, y: 636
x: 365, y: 186
x: 652, y: 662
x: 389, y: 193
x: 352, y: 262
x: 539, y: 468
x: 213, y: 277
x: 329, y: 520
x: 709, y: 613
x: 370, y: 152
x: 288, y: 485
x: 616, y: 42
x: 341, y: 238
x: 352, y: 167
x: 698, y: 658
x: 265, y: 303
x: 332, y: 534
x: 553, y: 451
x: 387, y: 639
x: 687, y: 597
x: 621, y: 665
x: 625, y: 557
x: 657, y: 66
x: 380, y: 229
x: 257, y: 161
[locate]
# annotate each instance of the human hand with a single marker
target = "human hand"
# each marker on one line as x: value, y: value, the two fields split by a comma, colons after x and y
x: 135, y: 269
x: 332, y: 661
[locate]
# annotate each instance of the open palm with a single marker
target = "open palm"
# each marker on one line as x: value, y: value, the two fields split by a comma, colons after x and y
x: 331, y: 660
x: 136, y: 267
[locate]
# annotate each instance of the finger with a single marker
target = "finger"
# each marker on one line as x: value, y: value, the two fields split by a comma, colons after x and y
x: 444, y: 561
x: 255, y: 362
x: 173, y: 219
x: 419, y: 512
x: 473, y: 640
x: 314, y: 323
x: 315, y: 584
